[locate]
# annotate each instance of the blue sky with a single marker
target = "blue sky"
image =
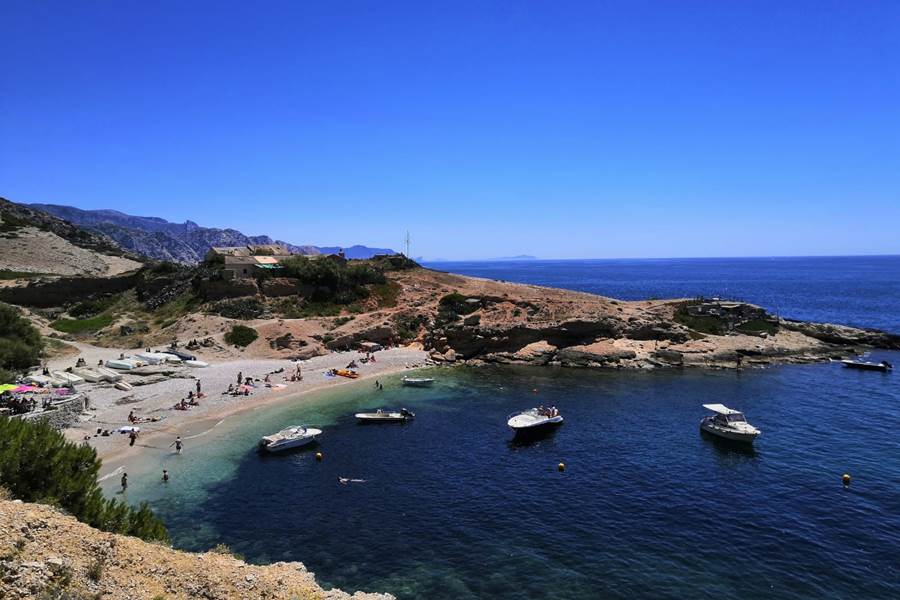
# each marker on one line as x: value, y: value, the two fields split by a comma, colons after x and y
x: 559, y: 129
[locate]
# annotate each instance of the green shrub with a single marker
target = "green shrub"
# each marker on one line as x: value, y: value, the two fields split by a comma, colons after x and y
x: 90, y: 308
x: 241, y: 335
x: 20, y: 343
x: 456, y: 304
x: 37, y: 464
x: 240, y: 308
x: 82, y: 325
x: 333, y: 280
x: 756, y: 326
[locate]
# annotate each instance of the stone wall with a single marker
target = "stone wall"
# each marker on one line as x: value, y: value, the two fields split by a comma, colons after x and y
x: 47, y: 293
x: 64, y: 413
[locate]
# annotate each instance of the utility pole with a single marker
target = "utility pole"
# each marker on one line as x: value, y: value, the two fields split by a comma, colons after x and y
x: 408, y: 240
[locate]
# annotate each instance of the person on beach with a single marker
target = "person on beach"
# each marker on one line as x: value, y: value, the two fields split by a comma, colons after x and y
x: 177, y: 444
x: 165, y: 476
x: 376, y: 384
x: 124, y: 482
x: 198, y: 387
x: 240, y: 377
x: 133, y: 437
x: 131, y: 417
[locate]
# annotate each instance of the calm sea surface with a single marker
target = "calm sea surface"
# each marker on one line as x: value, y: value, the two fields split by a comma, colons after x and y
x: 646, y: 508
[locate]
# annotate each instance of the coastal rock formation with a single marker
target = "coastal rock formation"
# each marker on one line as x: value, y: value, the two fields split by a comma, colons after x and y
x: 45, y: 554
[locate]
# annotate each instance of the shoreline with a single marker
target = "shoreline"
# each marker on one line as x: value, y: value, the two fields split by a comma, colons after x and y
x: 163, y: 388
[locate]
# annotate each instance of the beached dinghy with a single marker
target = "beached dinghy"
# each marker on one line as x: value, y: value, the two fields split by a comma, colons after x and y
x: 385, y: 416
x: 418, y: 381
x: 197, y: 364
x: 44, y: 381
x: 170, y: 358
x: 534, y: 419
x: 884, y: 366
x: 123, y: 385
x: 69, y: 378
x: 152, y: 358
x: 729, y: 424
x: 88, y: 374
x: 123, y: 364
x: 108, y: 374
x: 292, y: 437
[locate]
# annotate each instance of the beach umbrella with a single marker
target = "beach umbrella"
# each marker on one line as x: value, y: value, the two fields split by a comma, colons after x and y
x: 5, y: 387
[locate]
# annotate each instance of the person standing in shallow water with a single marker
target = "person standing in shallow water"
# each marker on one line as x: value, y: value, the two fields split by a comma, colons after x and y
x: 165, y: 476
x: 177, y: 444
x: 124, y: 482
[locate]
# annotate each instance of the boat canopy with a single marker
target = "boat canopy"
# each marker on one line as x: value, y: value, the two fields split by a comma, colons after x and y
x: 721, y: 409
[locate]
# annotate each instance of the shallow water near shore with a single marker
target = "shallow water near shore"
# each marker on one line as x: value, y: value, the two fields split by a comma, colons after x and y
x: 647, y: 507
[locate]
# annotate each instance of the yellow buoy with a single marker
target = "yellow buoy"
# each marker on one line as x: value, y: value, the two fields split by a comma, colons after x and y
x: 561, y: 467
x: 318, y: 456
x: 846, y: 478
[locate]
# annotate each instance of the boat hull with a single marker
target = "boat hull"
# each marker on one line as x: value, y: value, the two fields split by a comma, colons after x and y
x: 417, y: 382
x: 287, y: 445
x: 522, y: 427
x: 727, y: 434
x: 389, y: 418
x: 865, y: 366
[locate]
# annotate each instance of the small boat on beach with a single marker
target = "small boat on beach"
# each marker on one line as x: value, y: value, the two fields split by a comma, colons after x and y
x: 729, y: 424
x: 197, y: 364
x: 386, y: 416
x: 883, y: 366
x: 69, y: 378
x: 180, y: 354
x: 418, y: 381
x: 534, y: 420
x: 88, y: 374
x: 107, y: 374
x: 286, y: 439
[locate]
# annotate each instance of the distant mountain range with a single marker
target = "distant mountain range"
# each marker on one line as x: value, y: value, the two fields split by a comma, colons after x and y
x: 186, y: 242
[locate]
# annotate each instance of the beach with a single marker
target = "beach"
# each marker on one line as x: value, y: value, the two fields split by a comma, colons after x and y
x: 167, y: 385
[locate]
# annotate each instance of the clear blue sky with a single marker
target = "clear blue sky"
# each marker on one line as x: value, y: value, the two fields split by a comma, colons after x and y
x: 560, y: 129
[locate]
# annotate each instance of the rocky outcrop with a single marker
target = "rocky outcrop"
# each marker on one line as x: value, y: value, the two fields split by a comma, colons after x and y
x: 45, y: 554
x: 843, y: 335
x: 603, y: 353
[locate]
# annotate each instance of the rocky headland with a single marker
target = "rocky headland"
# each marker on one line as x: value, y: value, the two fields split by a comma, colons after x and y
x: 47, y: 554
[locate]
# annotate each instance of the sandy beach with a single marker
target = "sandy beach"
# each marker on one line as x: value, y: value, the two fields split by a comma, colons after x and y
x: 158, y: 388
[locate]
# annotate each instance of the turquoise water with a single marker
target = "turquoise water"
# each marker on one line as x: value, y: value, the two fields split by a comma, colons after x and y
x: 646, y: 508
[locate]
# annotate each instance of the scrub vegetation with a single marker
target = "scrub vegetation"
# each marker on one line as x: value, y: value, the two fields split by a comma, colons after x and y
x: 37, y: 464
x: 20, y: 343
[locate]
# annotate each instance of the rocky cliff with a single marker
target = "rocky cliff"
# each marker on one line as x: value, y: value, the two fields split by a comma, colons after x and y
x: 46, y: 554
x: 185, y: 243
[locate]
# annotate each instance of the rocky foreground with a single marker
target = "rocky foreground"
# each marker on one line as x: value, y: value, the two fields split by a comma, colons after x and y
x: 45, y: 554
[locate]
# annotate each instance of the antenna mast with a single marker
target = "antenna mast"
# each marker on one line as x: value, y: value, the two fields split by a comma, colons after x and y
x: 407, y: 240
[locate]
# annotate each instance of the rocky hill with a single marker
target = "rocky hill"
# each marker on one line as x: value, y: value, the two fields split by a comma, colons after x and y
x: 34, y: 242
x: 185, y: 243
x: 45, y: 554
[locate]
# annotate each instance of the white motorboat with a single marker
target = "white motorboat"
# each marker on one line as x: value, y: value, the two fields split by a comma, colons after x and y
x: 864, y: 365
x: 418, y: 381
x: 534, y: 419
x: 292, y: 437
x: 385, y: 416
x: 729, y: 424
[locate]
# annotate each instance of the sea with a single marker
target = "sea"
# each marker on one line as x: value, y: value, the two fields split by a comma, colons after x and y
x: 451, y: 506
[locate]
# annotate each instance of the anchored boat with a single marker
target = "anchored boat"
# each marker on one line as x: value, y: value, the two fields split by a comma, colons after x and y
x: 729, y: 424
x: 534, y: 420
x: 286, y: 439
x: 883, y: 366
x: 385, y: 416
x: 418, y: 381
